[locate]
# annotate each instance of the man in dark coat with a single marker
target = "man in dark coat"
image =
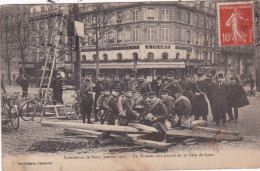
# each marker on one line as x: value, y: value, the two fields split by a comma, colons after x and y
x: 155, y: 114
x: 57, y: 89
x: 220, y: 100
x: 211, y: 89
x: 24, y: 83
x: 126, y: 81
x: 157, y: 85
x: 169, y: 103
x: 172, y: 84
x: 101, y: 85
x: 86, y: 98
x: 189, y: 88
x: 200, y: 105
x: 237, y: 98
x: 142, y: 85
x: 117, y: 84
x: 112, y: 113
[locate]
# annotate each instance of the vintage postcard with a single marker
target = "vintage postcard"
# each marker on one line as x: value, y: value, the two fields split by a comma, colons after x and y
x: 152, y: 85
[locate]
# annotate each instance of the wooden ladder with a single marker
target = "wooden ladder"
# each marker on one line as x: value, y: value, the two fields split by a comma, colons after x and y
x: 49, y: 66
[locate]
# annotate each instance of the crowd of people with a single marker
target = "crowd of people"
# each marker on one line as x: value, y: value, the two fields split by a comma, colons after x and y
x: 133, y: 99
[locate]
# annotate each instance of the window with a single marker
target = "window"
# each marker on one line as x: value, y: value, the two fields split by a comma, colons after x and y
x: 135, y: 56
x: 197, y: 38
x: 150, y: 34
x: 42, y: 8
x: 84, y: 58
x: 135, y: 15
x: 34, y: 41
x: 119, y: 36
x: 14, y: 77
x: 188, y: 36
x: 12, y: 19
x: 165, y: 14
x: 33, y: 27
x: 119, y: 17
x: 42, y: 41
x: 197, y: 54
x: 105, y: 57
x: 34, y: 10
x: 150, y: 14
x: 197, y: 20
x: 188, y: 18
x: 165, y: 56
x: 119, y: 56
x: 178, y: 35
x: 34, y: 55
x: 178, y: 15
x: 135, y: 34
x: 177, y: 55
x: 150, y: 56
x: 94, y: 57
x: 41, y: 25
x: 165, y: 34
x: 18, y: 18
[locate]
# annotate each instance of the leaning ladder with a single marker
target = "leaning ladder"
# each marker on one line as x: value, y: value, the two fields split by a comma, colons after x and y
x: 44, y: 92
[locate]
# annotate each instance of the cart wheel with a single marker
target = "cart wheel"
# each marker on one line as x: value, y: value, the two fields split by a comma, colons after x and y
x: 28, y: 110
x: 76, y: 109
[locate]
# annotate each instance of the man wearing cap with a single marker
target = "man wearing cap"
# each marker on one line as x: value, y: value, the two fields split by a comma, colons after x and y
x: 138, y: 99
x: 142, y: 85
x: 155, y: 114
x: 237, y: 98
x: 189, y: 88
x: 86, y: 98
x: 126, y: 112
x: 102, y: 105
x: 57, y: 89
x: 157, y: 85
x: 116, y: 84
x: 169, y: 103
x: 101, y: 84
x: 112, y: 113
x: 220, y: 100
x: 126, y: 81
x: 172, y: 84
x: 200, y: 104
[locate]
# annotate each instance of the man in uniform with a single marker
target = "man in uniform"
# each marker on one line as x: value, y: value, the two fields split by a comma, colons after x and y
x: 102, y: 105
x: 112, y: 113
x: 169, y: 103
x: 86, y: 98
x: 172, y: 84
x: 157, y: 85
x: 142, y: 85
x: 189, y: 88
x: 182, y: 110
x: 117, y: 84
x: 155, y: 114
x: 101, y: 85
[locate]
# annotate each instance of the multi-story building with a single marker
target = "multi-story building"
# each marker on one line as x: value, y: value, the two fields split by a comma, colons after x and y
x: 13, y: 20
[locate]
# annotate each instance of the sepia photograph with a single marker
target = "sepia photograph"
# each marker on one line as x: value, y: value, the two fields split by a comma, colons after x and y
x: 148, y: 85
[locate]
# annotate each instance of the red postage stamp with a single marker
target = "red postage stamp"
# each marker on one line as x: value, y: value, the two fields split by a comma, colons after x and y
x: 236, y: 23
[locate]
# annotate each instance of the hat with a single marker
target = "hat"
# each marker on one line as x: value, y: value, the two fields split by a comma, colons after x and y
x: 116, y: 76
x: 220, y: 75
x: 88, y: 74
x: 170, y: 73
x: 101, y: 74
x: 128, y: 89
x: 115, y: 89
x: 158, y: 77
x: 164, y: 92
x: 107, y: 88
x: 131, y: 75
x: 140, y: 74
x: 151, y: 94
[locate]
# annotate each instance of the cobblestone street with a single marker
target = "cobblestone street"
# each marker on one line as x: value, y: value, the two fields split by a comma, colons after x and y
x: 16, y: 142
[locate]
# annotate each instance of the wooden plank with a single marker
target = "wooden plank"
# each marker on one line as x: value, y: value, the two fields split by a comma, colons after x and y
x: 55, y: 117
x: 53, y: 106
x: 198, y: 123
x: 93, y: 127
x: 211, y: 136
x: 83, y: 132
x: 213, y: 130
x: 145, y: 143
x: 142, y: 127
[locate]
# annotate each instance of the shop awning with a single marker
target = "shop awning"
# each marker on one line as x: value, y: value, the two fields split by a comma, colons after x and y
x: 130, y: 65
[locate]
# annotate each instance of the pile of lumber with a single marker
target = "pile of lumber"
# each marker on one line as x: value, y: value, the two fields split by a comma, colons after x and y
x: 137, y: 136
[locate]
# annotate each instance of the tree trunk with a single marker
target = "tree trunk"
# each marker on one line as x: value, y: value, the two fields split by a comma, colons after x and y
x: 9, y: 72
x: 23, y: 62
x: 97, y: 61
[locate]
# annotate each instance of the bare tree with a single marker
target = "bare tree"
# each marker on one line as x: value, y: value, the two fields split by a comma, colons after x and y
x: 100, y: 22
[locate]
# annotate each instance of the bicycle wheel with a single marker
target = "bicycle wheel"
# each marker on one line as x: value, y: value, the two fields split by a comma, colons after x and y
x: 76, y: 110
x: 13, y: 113
x: 67, y: 110
x: 28, y: 110
x: 72, y: 110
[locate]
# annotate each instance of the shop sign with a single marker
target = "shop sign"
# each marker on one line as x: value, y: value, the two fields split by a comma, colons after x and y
x: 157, y: 46
x: 111, y: 48
x: 183, y: 48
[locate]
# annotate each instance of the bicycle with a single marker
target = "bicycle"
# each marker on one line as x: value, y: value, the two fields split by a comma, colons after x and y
x: 9, y: 111
x: 72, y: 109
x: 34, y: 107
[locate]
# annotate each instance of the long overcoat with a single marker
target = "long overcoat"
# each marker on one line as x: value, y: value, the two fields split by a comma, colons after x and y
x: 237, y: 96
